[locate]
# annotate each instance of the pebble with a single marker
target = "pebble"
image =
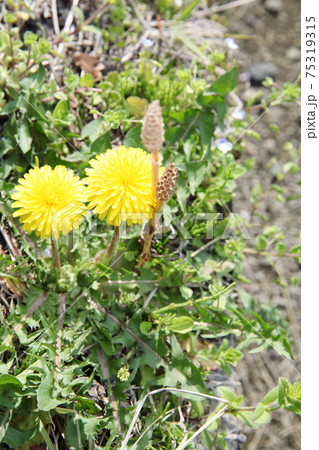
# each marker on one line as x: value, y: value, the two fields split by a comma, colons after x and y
x: 260, y: 70
x: 293, y: 53
x: 274, y: 6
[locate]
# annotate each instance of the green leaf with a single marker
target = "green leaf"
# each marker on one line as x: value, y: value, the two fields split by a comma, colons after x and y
x: 35, y: 80
x: 283, y: 347
x: 133, y: 137
x: 227, y: 394
x: 282, y: 390
x: 9, y: 379
x: 44, y: 394
x: 23, y: 136
x: 101, y: 144
x: 93, y: 129
x: 280, y: 248
x: 14, y: 438
x: 87, y: 80
x: 246, y: 417
x: 181, y: 324
x: 206, y: 127
x: 260, y: 243
x: 261, y: 416
x: 145, y: 327
x: 180, y: 35
x: 220, y: 106
x: 187, y: 11
x: 224, y: 83
x: 271, y: 397
x: 186, y: 292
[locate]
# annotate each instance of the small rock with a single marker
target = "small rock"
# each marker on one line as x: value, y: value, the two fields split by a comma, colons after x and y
x: 273, y: 6
x: 260, y: 70
x: 293, y: 53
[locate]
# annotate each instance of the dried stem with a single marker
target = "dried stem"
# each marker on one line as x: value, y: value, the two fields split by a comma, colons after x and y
x: 21, y: 231
x: 149, y: 232
x: 55, y: 253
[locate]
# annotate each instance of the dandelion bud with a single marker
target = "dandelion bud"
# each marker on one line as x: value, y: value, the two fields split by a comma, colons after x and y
x: 153, y: 128
x: 167, y: 183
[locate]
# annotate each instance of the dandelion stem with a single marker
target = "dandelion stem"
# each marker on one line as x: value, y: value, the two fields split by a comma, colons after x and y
x: 113, y: 244
x: 156, y: 159
x: 149, y: 232
x: 70, y: 248
x: 55, y: 253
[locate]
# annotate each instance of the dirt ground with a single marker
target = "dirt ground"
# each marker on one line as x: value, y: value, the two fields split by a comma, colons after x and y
x: 275, y: 39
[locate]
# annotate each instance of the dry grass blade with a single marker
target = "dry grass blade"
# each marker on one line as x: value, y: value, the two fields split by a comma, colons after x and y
x: 157, y: 391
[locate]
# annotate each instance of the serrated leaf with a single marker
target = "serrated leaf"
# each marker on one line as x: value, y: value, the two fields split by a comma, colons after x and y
x: 44, y: 394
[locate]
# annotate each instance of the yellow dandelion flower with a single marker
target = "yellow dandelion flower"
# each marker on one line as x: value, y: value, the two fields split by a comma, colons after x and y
x: 50, y: 201
x: 119, y: 186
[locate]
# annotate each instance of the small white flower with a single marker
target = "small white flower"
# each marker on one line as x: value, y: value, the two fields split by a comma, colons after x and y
x: 231, y: 43
x: 148, y: 43
x: 47, y: 252
x: 224, y: 146
x: 178, y: 3
x: 239, y: 114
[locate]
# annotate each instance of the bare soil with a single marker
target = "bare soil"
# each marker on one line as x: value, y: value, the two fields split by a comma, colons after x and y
x: 275, y: 38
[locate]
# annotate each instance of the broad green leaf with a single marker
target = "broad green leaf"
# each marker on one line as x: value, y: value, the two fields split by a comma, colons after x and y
x: 246, y: 417
x: 227, y: 394
x: 136, y: 106
x: 181, y: 324
x: 9, y: 379
x: 186, y: 292
x: 87, y: 80
x: 261, y: 416
x: 44, y: 394
x: 206, y: 127
x: 271, y: 397
x: 35, y: 80
x: 14, y: 438
x: 93, y: 129
x: 61, y: 110
x: 23, y: 136
x: 101, y: 144
x: 260, y: 243
x: 224, y: 84
x: 133, y: 137
x: 145, y: 327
